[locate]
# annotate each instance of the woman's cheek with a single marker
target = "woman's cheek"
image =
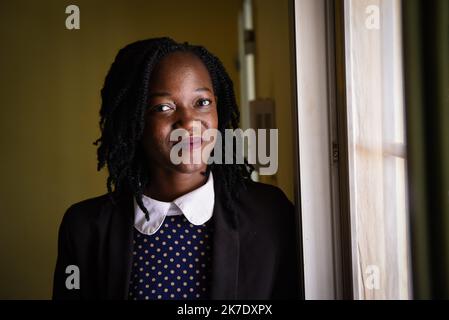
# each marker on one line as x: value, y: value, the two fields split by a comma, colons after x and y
x: 213, y: 119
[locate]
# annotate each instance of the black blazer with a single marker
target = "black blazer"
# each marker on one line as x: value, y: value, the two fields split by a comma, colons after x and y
x: 253, y: 258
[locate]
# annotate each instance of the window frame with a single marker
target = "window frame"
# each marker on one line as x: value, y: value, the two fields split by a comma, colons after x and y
x: 323, y: 176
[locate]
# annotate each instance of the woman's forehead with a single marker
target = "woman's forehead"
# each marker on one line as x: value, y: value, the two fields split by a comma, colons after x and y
x: 179, y: 59
x: 180, y: 67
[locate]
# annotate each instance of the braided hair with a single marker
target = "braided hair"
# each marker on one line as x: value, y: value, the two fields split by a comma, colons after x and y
x: 124, y: 101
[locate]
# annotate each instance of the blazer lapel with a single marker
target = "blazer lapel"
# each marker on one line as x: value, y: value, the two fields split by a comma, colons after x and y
x: 120, y: 247
x: 225, y: 263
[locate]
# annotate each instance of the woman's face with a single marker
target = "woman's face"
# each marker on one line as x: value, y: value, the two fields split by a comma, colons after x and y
x: 180, y: 96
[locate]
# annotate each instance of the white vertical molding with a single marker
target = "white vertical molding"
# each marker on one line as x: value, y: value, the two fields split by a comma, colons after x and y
x: 314, y: 149
x: 250, y: 67
x: 247, y: 67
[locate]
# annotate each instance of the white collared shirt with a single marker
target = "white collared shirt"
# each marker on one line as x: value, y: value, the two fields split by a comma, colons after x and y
x: 197, y: 206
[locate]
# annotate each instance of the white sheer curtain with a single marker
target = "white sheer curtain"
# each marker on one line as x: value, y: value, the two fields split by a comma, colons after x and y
x: 377, y: 160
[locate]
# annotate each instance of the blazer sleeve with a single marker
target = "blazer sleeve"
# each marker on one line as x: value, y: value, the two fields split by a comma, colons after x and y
x: 65, y: 258
x: 287, y: 283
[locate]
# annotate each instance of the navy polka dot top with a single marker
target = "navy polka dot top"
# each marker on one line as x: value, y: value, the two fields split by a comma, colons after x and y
x: 174, y: 263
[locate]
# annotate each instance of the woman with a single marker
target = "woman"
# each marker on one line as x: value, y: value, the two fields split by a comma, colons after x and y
x: 174, y: 231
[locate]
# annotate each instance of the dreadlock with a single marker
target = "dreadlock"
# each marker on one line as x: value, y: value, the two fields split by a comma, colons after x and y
x: 124, y: 101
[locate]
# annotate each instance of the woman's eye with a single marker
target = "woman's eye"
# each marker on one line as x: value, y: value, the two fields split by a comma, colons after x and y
x: 204, y: 102
x: 162, y: 108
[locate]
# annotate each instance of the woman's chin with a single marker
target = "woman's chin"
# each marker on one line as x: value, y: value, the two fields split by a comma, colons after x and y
x: 190, y: 168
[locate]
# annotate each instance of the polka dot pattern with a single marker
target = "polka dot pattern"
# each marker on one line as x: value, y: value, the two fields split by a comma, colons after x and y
x: 174, y: 263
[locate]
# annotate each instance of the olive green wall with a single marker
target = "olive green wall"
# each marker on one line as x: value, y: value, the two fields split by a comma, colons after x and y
x: 273, y: 80
x: 50, y: 80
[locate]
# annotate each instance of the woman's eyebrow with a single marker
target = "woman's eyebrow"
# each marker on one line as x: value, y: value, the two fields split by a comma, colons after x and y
x: 203, y: 89
x: 159, y: 94
x: 167, y: 94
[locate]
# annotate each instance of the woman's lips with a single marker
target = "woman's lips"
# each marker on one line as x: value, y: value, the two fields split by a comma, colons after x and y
x: 191, y: 142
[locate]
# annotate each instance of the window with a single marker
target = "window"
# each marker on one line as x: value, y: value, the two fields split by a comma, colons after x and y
x: 351, y: 149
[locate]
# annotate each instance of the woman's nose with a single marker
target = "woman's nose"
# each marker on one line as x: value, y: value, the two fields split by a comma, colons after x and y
x: 186, y: 118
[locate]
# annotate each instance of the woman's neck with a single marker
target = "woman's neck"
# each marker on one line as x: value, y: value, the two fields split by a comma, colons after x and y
x: 167, y: 186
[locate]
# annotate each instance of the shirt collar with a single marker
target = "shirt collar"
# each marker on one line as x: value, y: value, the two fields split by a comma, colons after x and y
x: 197, y: 206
